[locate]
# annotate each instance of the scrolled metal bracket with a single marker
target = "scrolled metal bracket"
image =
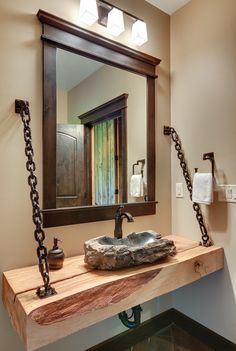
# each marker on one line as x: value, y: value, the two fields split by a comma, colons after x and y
x: 166, y: 130
x: 21, y: 105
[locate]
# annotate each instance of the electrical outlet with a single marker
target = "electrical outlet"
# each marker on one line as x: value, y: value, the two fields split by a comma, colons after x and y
x: 227, y: 193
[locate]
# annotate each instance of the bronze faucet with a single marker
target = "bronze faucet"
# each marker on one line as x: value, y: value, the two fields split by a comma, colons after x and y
x: 119, y: 219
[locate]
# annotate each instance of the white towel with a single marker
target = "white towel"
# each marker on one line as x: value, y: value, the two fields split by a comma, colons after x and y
x: 136, y: 185
x: 202, y: 188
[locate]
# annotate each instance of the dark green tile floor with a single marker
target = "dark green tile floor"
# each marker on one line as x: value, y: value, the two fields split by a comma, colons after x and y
x: 171, y: 338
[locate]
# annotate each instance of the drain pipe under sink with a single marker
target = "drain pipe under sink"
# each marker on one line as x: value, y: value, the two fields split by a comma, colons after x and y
x: 136, y: 313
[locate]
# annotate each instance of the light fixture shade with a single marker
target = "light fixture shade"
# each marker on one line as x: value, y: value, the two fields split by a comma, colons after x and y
x: 115, y: 22
x: 88, y: 11
x: 139, y: 33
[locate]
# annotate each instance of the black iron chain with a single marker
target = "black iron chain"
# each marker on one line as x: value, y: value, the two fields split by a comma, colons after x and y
x: 206, y: 241
x: 39, y: 234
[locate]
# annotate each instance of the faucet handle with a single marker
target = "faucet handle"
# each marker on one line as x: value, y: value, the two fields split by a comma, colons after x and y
x: 119, y: 210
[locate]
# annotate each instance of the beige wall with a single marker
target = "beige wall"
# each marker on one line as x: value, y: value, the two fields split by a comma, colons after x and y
x: 21, y: 77
x: 203, y: 109
x: 62, y: 106
x: 105, y: 84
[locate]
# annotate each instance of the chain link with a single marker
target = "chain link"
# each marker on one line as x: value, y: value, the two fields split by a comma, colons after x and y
x: 39, y: 233
x: 206, y: 241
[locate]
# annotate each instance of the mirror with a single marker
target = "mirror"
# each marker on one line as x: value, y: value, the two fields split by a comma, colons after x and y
x: 98, y: 125
x: 115, y: 96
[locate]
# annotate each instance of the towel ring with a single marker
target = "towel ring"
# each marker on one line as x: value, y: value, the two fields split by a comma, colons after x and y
x: 210, y: 156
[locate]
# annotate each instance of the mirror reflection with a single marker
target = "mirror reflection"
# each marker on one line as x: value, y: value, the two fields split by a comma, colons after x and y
x: 101, y: 133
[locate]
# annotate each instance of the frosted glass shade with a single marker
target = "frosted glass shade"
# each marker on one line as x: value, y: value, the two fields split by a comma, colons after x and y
x: 139, y: 33
x: 88, y: 12
x: 115, y: 22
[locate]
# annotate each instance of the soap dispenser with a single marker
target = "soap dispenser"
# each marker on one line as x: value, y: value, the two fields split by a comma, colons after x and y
x: 55, y: 256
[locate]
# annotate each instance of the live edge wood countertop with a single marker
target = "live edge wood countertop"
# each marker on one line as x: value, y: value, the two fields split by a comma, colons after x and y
x: 86, y: 296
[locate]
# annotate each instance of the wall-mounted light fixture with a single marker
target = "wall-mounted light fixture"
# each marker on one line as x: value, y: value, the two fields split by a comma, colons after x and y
x: 115, y: 22
x: 88, y: 11
x: 112, y: 17
x: 139, y: 32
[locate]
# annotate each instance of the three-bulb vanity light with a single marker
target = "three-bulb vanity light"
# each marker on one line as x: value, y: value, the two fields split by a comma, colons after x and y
x: 112, y: 17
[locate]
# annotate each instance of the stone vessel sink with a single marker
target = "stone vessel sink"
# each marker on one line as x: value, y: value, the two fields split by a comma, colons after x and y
x: 109, y: 253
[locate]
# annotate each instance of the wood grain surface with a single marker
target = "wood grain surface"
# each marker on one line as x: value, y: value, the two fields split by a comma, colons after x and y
x: 85, y: 296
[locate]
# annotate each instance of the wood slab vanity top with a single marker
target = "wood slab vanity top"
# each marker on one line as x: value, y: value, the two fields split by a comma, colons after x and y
x: 86, y: 296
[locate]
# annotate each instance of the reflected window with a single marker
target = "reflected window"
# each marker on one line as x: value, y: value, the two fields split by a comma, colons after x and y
x: 105, y: 152
x: 105, y: 158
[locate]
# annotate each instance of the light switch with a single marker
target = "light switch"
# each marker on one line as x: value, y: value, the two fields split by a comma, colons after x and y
x: 179, y: 191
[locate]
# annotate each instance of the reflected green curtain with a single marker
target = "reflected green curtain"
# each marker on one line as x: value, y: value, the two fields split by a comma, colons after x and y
x: 104, y: 163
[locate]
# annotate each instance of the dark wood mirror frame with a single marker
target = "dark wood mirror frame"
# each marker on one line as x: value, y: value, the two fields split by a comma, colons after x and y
x: 58, y: 33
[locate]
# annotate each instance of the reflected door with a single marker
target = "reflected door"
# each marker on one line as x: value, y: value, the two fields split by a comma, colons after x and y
x: 70, y: 177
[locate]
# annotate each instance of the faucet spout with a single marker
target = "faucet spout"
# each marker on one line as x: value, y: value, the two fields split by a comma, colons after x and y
x: 128, y: 216
x: 119, y: 216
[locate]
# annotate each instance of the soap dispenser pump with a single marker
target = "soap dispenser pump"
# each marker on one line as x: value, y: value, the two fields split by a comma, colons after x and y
x: 55, y: 256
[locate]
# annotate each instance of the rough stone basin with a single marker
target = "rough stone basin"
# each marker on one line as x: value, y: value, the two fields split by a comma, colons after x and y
x: 109, y: 253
